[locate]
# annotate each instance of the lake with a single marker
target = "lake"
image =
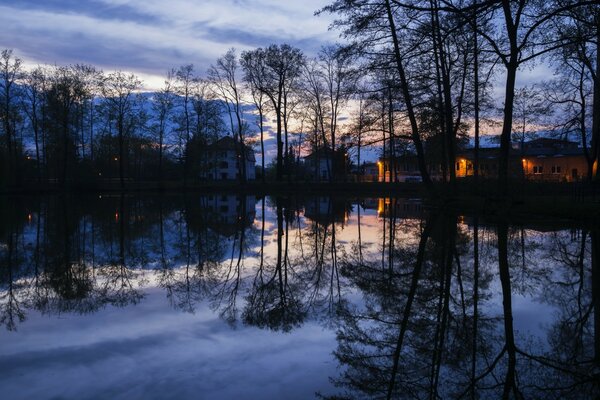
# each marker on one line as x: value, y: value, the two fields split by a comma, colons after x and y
x: 225, y: 296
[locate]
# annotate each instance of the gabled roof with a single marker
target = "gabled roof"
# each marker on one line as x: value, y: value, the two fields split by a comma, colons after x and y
x: 546, y: 147
x: 228, y: 143
x: 321, y: 152
x: 549, y: 142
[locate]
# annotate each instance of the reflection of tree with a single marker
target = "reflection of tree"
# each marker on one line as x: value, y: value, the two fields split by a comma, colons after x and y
x: 272, y: 301
x: 427, y: 324
x: 11, y: 311
x: 425, y: 328
x: 118, y: 287
x: 371, y: 341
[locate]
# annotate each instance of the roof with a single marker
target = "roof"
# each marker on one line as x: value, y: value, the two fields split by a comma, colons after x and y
x: 320, y: 153
x: 228, y: 143
x: 484, y: 153
x: 545, y: 147
x: 549, y: 142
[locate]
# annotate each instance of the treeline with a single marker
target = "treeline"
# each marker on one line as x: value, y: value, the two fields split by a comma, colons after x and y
x: 413, y: 77
x: 441, y: 56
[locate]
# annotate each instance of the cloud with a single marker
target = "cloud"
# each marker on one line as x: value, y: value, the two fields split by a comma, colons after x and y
x: 151, y: 36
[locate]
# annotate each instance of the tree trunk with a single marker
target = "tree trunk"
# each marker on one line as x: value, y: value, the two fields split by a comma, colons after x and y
x: 408, y: 100
x: 511, y: 74
x: 596, y: 109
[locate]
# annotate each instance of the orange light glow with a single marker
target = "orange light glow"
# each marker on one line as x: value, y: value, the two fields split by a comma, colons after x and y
x: 380, y: 207
x: 116, y: 217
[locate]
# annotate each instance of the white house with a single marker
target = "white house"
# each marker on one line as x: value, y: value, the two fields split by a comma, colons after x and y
x: 222, y: 160
x: 319, y: 164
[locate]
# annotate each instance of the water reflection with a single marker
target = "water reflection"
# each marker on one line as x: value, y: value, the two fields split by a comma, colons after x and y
x: 424, y: 304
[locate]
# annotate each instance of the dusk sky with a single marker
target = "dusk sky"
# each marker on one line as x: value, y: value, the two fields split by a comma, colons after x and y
x: 150, y: 36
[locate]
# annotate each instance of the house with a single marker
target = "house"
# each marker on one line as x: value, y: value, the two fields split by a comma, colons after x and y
x: 404, y: 168
x: 489, y: 163
x: 221, y: 160
x: 320, y: 163
x: 540, y: 159
x: 553, y: 160
x: 369, y: 172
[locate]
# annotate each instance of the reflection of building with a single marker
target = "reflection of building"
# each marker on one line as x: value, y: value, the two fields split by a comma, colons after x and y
x: 540, y: 159
x: 399, y: 208
x: 370, y: 204
x: 326, y: 210
x: 228, y: 214
x: 222, y: 160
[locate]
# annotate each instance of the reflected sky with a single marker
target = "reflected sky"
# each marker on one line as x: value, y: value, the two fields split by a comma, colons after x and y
x: 149, y: 351
x: 229, y: 296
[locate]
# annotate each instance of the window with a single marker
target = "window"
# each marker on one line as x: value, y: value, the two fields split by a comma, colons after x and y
x: 538, y: 169
x: 556, y: 169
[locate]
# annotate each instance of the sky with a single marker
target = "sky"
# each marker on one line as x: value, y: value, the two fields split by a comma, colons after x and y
x: 148, y: 37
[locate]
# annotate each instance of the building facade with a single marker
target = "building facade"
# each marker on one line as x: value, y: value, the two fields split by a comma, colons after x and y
x: 541, y: 160
x: 320, y: 163
x: 553, y: 160
x: 222, y: 161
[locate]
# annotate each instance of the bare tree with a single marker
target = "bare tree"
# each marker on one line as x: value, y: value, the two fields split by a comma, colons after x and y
x: 223, y: 76
x: 185, y: 80
x: 10, y: 73
x: 35, y: 93
x: 273, y: 72
x: 120, y: 95
x: 163, y: 103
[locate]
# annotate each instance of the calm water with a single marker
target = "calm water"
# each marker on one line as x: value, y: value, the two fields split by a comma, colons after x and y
x: 231, y: 297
